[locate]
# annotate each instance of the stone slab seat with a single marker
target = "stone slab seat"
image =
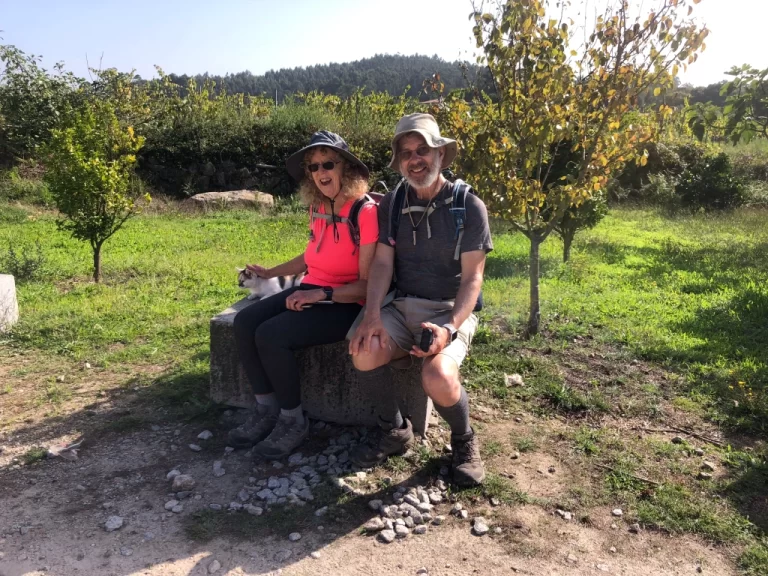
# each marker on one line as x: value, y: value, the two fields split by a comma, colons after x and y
x: 330, y: 390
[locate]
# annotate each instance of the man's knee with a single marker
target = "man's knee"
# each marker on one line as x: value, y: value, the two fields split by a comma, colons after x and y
x: 440, y: 379
x: 377, y: 357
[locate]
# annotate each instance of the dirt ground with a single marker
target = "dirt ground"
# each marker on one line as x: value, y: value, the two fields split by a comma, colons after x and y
x: 53, y: 511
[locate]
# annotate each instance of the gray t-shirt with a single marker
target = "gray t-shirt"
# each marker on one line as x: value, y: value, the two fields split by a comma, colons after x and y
x: 427, y: 269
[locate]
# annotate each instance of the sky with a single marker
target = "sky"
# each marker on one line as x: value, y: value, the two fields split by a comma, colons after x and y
x: 224, y: 36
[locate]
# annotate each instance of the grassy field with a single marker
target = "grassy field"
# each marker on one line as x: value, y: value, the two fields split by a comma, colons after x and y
x: 653, y: 318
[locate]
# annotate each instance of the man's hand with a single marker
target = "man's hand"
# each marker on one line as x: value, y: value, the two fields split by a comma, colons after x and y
x: 260, y: 271
x: 369, y: 327
x: 441, y: 339
x: 301, y: 298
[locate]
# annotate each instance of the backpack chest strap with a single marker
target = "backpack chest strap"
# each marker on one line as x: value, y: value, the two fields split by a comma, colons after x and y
x: 429, y: 209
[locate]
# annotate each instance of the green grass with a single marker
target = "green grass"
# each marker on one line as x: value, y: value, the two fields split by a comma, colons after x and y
x: 688, y: 295
x: 34, y: 454
x: 525, y: 444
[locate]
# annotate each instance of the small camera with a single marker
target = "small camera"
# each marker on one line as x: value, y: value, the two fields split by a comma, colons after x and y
x: 426, y: 339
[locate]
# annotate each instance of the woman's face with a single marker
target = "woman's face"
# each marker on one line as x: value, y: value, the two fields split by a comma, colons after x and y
x: 326, y: 178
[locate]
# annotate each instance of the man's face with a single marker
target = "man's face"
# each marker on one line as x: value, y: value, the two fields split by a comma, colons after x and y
x: 418, y: 163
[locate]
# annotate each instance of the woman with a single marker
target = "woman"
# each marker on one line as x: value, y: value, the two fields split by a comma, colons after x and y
x: 321, y: 309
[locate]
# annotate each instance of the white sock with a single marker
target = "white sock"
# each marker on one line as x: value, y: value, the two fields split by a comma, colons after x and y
x: 297, y: 413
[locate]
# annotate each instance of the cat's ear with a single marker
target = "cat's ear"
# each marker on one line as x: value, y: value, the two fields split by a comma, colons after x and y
x: 239, y: 269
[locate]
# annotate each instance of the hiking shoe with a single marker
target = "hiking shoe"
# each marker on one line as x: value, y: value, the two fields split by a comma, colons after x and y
x: 259, y: 424
x: 468, y: 469
x: 287, y: 435
x: 383, y: 445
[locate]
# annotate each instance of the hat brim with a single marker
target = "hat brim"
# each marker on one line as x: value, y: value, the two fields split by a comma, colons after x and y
x: 295, y: 161
x: 451, y: 147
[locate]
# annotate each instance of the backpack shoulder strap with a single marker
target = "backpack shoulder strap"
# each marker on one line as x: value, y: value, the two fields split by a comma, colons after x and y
x: 395, y: 210
x: 353, y: 217
x: 459, y: 212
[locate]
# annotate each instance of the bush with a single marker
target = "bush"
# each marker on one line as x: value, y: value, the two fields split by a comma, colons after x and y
x: 26, y: 264
x: 16, y: 188
x: 709, y: 184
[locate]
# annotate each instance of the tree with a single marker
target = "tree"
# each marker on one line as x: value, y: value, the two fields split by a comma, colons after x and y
x: 552, y: 88
x: 90, y: 165
x: 744, y: 114
x: 32, y: 102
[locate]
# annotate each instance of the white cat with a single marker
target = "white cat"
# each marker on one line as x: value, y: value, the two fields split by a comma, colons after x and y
x: 263, y: 287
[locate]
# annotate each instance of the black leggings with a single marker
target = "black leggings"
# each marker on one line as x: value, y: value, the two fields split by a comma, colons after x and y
x: 267, y: 333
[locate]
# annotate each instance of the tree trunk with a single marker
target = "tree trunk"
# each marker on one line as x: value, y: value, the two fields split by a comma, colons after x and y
x: 568, y: 235
x: 535, y: 312
x: 97, y: 262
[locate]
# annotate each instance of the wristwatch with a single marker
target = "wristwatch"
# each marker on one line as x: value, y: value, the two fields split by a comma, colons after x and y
x: 452, y: 332
x: 328, y: 293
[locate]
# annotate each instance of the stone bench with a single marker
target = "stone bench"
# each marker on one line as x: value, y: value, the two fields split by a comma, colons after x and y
x: 330, y: 390
x: 9, y: 307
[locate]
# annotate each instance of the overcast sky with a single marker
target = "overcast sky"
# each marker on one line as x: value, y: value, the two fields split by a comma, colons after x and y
x: 194, y: 36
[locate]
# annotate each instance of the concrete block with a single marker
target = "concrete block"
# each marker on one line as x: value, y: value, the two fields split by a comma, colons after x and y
x: 9, y: 307
x: 330, y: 389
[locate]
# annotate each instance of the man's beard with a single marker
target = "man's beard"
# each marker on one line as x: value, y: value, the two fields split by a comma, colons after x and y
x: 426, y: 178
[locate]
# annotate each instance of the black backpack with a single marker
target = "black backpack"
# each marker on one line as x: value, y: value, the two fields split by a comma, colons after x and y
x: 456, y: 204
x: 351, y: 221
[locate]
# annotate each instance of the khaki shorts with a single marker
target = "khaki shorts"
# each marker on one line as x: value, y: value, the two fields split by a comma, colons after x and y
x: 403, y: 317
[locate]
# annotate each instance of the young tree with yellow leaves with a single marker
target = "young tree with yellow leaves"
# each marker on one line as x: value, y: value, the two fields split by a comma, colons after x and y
x: 561, y: 100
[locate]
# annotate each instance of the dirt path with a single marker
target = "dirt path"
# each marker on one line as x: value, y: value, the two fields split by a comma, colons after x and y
x: 53, y: 513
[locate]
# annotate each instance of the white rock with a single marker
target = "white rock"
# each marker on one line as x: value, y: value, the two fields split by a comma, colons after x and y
x: 401, y: 531
x: 386, y: 536
x: 218, y: 468
x: 513, y: 380
x: 172, y: 474
x: 437, y: 520
x: 294, y: 536
x: 564, y: 515
x: 603, y: 567
x: 618, y: 512
x: 170, y: 504
x: 214, y: 567
x: 435, y: 498
x: 205, y: 435
x: 183, y: 483
x: 480, y: 526
x: 113, y: 523
x: 315, y: 555
x: 254, y: 510
x: 194, y: 448
x: 708, y: 466
x: 374, y: 525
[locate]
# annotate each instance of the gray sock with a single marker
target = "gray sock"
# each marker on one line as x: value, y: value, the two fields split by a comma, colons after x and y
x: 269, y: 400
x: 297, y: 413
x: 380, y: 381
x: 457, y: 415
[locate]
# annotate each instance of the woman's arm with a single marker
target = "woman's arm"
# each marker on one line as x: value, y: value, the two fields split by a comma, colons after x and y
x: 290, y: 268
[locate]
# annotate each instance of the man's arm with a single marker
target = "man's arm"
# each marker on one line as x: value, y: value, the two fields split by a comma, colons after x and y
x: 472, y: 268
x: 379, y: 280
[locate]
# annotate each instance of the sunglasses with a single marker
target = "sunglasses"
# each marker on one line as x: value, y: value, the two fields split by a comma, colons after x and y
x: 330, y: 165
x: 405, y: 155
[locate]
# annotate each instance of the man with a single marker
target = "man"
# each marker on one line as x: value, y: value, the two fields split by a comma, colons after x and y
x: 437, y: 279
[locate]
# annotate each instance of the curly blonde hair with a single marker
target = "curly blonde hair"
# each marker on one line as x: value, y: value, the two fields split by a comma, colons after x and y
x: 353, y: 184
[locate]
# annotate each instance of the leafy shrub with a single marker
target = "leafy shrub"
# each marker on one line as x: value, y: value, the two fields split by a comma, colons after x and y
x: 16, y: 188
x: 25, y: 264
x: 709, y: 184
x: 750, y: 163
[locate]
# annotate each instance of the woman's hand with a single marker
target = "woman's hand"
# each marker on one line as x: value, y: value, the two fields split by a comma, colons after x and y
x: 260, y: 271
x: 301, y: 298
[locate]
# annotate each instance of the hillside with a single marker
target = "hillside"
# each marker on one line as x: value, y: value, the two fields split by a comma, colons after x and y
x: 384, y: 72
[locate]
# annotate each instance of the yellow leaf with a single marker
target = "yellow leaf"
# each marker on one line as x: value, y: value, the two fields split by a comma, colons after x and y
x: 656, y: 91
